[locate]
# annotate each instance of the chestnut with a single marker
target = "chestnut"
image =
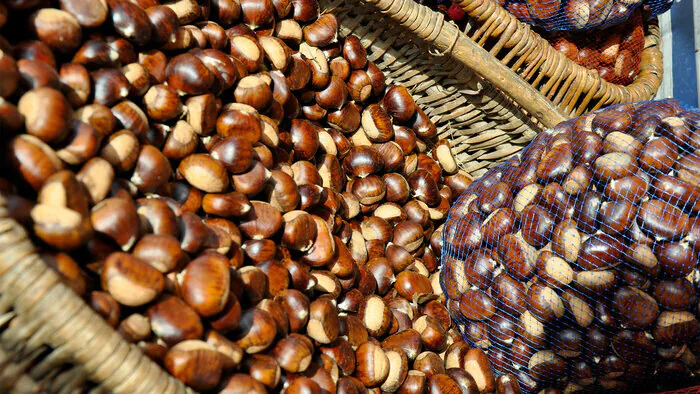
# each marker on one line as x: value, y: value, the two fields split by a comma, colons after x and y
x: 189, y: 75
x: 359, y: 86
x: 318, y: 64
x: 476, y: 363
x: 35, y: 74
x: 60, y: 227
x: 375, y: 315
x: 658, y: 155
x: 204, y: 173
x: 369, y: 190
x: 96, y: 175
x: 340, y: 68
x: 117, y: 219
x: 323, y: 325
x: 674, y: 294
x: 196, y: 363
x: 298, y: 73
x: 399, y: 103
x: 635, y: 308
x: 546, y: 365
x: 126, y: 51
x: 676, y: 259
x: 322, y: 32
x: 205, y: 284
x: 256, y: 14
x: 305, y: 11
x: 662, y: 220
x: 68, y: 270
x: 97, y: 116
x: 152, y: 170
x: 373, y: 365
x: 673, y: 328
x: 164, y: 23
x: 240, y: 383
x: 595, y: 281
x: 262, y: 221
x: 544, y: 303
x: 422, y: 125
x: 675, y: 191
x: 88, y: 15
x: 376, y: 124
x: 687, y: 167
x: 633, y: 346
x: 600, y: 251
x: 293, y: 353
x: 58, y: 29
x: 253, y: 91
x: 75, y: 83
x: 354, y: 52
x: 362, y: 161
x: 47, y: 114
x: 131, y: 22
x: 334, y: 95
x: 131, y: 117
x: 232, y: 204
x: 289, y: 31
x: 256, y: 331
x: 105, y: 306
x: 424, y: 188
x: 131, y: 281
x: 162, y: 103
x: 34, y: 50
x: 519, y: 257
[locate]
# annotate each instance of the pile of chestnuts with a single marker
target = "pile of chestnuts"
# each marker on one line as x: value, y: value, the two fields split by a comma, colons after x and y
x: 574, y: 264
x: 236, y: 190
x: 615, y: 53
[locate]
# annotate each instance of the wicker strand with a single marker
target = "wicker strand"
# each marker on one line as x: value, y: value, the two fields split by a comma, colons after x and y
x: 442, y: 35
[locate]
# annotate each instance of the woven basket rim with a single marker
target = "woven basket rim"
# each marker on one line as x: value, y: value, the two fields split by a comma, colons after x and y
x: 490, y: 13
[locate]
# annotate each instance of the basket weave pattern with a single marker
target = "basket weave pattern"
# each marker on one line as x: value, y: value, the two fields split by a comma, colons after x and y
x: 483, y: 124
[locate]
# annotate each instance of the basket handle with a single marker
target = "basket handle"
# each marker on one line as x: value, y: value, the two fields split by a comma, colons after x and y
x: 447, y: 38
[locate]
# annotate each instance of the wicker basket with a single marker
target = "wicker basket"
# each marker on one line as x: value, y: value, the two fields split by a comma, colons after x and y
x: 51, y: 341
x: 489, y: 104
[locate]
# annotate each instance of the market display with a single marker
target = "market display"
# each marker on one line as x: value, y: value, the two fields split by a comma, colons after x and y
x: 236, y: 190
x: 574, y: 263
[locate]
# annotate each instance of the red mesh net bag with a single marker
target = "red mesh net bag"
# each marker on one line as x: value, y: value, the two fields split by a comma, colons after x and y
x: 580, y: 15
x: 615, y: 53
x: 567, y: 15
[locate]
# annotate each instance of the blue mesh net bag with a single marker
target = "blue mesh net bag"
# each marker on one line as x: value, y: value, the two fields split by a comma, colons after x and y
x: 578, y: 15
x: 574, y: 263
